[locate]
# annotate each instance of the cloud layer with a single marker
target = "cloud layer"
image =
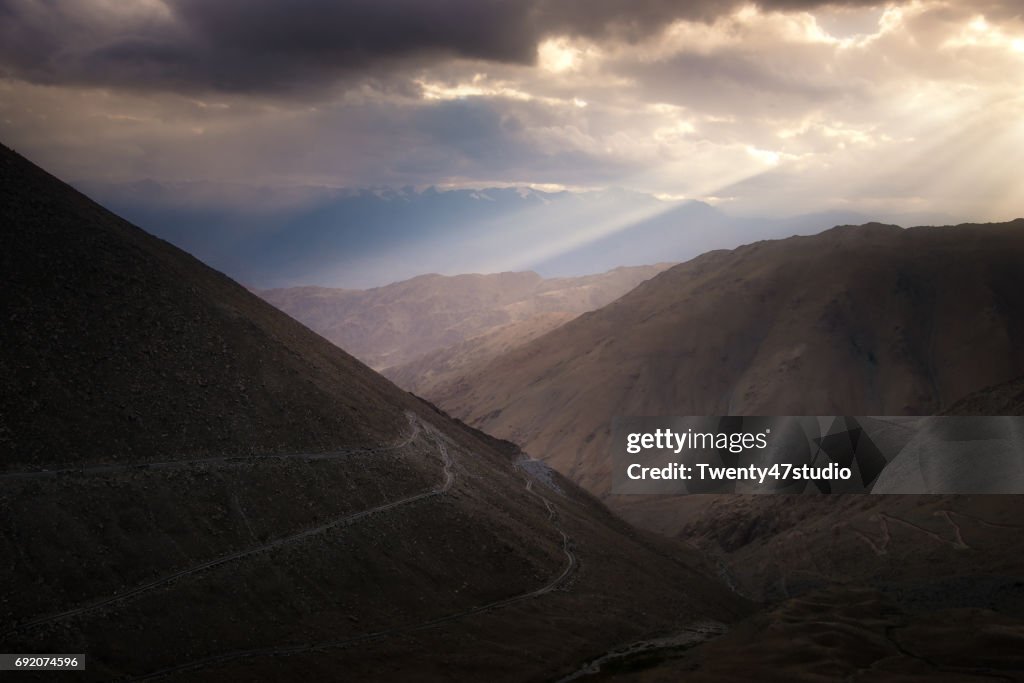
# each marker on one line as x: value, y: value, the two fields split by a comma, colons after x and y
x: 784, y: 106
x: 258, y: 45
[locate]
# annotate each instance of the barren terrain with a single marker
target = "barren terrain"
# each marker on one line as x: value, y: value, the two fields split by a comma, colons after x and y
x: 432, y: 321
x: 193, y: 486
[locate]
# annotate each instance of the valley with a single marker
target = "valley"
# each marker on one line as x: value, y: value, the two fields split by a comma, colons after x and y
x: 862, y: 320
x: 261, y: 505
x: 422, y: 331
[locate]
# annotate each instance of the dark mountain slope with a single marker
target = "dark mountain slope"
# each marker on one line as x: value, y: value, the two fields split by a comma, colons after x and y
x: 1003, y: 399
x: 196, y: 487
x: 857, y: 321
x: 869, y: 320
x: 118, y: 345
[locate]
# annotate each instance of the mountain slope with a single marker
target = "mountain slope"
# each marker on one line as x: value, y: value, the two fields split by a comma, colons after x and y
x: 1006, y: 398
x: 194, y: 486
x: 870, y: 320
x: 425, y: 373
x: 858, y: 320
x: 393, y: 326
x: 142, y: 351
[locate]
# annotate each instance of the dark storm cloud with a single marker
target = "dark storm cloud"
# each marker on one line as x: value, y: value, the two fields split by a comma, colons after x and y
x: 267, y: 45
x: 249, y: 45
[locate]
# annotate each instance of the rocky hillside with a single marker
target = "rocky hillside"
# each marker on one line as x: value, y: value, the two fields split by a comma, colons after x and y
x: 194, y: 486
x: 859, y: 320
x: 393, y: 327
x: 1006, y: 398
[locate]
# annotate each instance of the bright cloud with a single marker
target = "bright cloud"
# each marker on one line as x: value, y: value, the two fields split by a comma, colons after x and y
x: 890, y: 106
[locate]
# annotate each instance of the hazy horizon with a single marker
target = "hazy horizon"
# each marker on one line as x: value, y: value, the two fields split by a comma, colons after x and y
x: 365, y: 238
x: 764, y: 110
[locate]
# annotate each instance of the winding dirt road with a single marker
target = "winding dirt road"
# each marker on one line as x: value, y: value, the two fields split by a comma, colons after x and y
x: 418, y: 429
x: 345, y: 520
x: 567, y: 570
x: 110, y: 468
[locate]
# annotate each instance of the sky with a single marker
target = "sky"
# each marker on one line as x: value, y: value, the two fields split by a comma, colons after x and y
x: 775, y: 108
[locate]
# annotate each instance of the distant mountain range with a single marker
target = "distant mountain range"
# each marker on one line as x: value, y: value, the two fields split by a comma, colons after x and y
x: 430, y: 329
x: 278, y: 237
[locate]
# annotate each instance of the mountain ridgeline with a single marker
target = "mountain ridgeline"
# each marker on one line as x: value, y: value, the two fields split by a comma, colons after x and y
x: 270, y: 237
x: 858, y: 320
x: 392, y: 328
